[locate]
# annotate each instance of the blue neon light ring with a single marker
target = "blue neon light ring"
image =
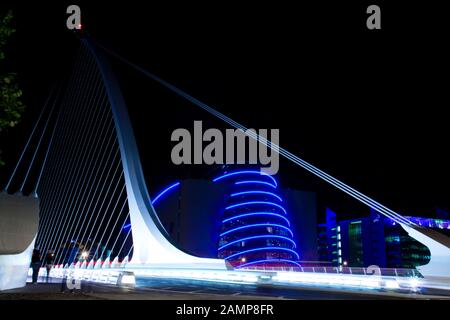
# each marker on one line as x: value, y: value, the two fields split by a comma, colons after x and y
x: 258, y: 237
x: 245, y: 172
x: 254, y: 203
x: 261, y: 249
x: 256, y: 192
x: 268, y: 260
x: 255, y: 182
x: 257, y: 214
x: 257, y: 225
x: 176, y: 184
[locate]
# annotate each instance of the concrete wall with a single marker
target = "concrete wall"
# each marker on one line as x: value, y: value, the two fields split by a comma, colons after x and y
x: 19, y: 218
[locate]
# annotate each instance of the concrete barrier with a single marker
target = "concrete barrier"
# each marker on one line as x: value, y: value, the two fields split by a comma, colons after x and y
x: 19, y: 219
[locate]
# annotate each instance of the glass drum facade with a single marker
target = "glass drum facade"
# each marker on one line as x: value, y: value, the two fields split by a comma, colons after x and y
x: 255, y: 228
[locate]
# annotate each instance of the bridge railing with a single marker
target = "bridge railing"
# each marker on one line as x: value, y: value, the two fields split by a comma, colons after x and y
x: 395, y: 272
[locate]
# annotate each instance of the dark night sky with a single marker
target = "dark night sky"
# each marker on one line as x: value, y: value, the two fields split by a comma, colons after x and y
x: 366, y: 107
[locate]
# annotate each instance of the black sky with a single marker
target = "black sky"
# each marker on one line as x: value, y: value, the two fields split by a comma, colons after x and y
x: 368, y: 107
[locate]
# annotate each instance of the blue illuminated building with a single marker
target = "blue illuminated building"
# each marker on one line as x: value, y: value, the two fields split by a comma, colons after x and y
x: 278, y: 225
x: 374, y: 240
x: 255, y: 230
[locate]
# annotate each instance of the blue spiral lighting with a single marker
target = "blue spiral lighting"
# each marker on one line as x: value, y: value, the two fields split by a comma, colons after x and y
x: 163, y: 192
x: 258, y: 213
x: 255, y: 228
x: 256, y: 182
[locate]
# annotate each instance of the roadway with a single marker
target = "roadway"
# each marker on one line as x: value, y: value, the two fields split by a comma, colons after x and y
x: 198, y: 289
x: 157, y: 288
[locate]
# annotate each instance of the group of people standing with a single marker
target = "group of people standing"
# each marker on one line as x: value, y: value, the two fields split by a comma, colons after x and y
x: 36, y: 264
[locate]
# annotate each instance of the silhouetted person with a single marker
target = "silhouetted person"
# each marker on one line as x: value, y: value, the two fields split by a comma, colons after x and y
x: 35, y: 264
x: 49, y: 259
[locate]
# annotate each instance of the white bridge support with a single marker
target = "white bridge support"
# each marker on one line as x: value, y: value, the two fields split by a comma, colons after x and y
x: 152, y: 244
x: 439, y: 246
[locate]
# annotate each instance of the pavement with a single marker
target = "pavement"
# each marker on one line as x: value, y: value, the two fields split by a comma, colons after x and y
x: 179, y: 289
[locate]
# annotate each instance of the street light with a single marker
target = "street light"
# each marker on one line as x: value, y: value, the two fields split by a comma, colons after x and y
x: 84, y: 255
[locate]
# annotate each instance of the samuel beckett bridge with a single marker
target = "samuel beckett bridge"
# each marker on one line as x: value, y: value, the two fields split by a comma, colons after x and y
x: 87, y: 186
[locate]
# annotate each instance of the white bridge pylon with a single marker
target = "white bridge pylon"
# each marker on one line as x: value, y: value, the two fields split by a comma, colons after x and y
x: 152, y: 244
x: 439, y: 246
